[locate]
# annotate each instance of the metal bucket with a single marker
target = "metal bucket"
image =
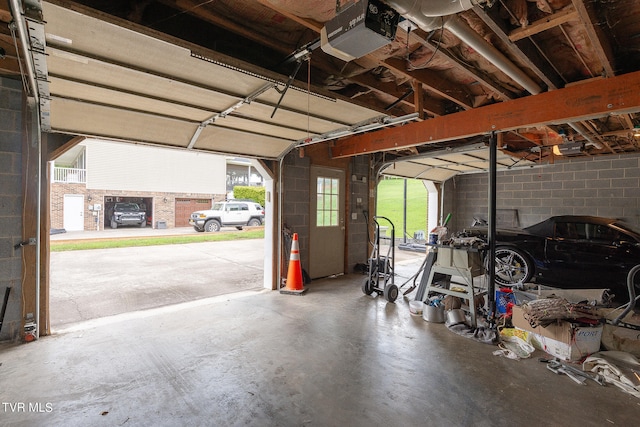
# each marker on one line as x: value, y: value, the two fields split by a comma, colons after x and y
x: 433, y: 314
x: 456, y: 316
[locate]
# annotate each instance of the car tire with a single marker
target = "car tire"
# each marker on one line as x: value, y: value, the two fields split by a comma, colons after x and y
x: 513, y: 267
x: 114, y: 224
x: 254, y: 222
x: 212, y: 225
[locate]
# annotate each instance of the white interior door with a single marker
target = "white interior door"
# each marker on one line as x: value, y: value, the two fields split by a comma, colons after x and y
x: 73, y: 212
x: 326, y: 245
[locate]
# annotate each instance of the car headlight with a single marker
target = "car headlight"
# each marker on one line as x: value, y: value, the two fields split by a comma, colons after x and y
x: 202, y: 216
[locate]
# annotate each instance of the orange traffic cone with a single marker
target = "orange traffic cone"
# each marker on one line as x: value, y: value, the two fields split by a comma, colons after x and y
x: 294, y: 274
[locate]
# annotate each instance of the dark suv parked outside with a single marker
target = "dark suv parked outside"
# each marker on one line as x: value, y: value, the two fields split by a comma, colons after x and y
x: 128, y: 214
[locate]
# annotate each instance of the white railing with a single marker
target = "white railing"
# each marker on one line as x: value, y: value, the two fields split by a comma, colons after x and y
x: 70, y: 175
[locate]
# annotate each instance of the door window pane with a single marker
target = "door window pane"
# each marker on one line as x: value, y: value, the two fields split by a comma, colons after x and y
x: 327, y: 202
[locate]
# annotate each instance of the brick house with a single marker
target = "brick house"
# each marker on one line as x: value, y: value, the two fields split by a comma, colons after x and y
x: 170, y: 184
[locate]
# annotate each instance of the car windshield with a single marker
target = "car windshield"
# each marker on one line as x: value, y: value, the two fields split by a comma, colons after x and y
x: 628, y: 229
x: 127, y: 207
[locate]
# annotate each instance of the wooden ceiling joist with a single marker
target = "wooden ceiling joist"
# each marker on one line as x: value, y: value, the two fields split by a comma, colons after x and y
x: 601, y: 46
x: 573, y: 104
x: 551, y: 21
x: 524, y: 50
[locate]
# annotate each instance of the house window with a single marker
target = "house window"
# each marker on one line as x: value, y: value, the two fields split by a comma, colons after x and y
x: 327, y: 192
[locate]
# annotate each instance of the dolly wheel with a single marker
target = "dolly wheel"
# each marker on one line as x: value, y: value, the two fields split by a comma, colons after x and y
x: 367, y: 289
x: 391, y: 293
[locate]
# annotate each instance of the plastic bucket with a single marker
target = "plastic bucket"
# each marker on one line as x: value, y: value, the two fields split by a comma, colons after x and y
x: 416, y: 307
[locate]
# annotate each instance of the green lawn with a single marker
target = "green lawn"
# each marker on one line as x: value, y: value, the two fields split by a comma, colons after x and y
x: 61, y: 245
x: 390, y: 204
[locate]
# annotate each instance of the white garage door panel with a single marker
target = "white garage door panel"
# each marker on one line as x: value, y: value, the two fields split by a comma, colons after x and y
x: 219, y: 139
x: 261, y: 128
x: 100, y: 95
x: 137, y: 50
x: 282, y: 115
x: 136, y: 87
x: 338, y: 110
x: 75, y: 67
x: 86, y: 119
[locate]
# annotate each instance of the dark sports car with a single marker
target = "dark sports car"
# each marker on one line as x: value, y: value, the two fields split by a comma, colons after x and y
x: 568, y: 252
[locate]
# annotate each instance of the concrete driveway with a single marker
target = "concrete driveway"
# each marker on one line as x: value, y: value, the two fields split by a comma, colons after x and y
x: 103, y: 282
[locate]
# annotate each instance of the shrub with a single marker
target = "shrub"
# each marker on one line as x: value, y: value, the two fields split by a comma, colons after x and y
x: 256, y: 194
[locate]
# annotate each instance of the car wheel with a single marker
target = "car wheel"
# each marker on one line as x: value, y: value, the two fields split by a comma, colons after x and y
x: 199, y: 230
x: 212, y: 225
x: 114, y: 224
x: 512, y: 267
x: 253, y: 222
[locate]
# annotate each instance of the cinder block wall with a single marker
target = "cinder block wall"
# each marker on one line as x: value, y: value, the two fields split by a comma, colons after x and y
x: 296, y: 203
x: 10, y: 204
x: 606, y: 186
x: 358, y: 251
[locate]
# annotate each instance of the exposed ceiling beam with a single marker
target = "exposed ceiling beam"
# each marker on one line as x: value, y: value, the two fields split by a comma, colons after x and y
x: 444, y: 55
x: 203, y: 13
x: 428, y: 78
x: 432, y: 106
x: 434, y: 82
x: 309, y: 23
x: 572, y: 104
x: 550, y: 21
x: 598, y: 40
x: 524, y: 50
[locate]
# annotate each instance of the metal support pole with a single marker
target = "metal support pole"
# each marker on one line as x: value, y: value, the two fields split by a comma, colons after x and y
x: 404, y: 213
x: 491, y: 265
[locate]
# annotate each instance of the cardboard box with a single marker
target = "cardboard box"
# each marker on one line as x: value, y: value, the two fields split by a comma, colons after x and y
x: 563, y: 340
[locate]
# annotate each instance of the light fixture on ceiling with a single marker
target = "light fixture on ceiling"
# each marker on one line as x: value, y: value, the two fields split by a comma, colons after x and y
x: 568, y: 149
x: 636, y: 131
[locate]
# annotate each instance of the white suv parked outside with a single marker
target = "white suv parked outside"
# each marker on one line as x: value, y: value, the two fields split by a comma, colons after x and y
x: 233, y: 213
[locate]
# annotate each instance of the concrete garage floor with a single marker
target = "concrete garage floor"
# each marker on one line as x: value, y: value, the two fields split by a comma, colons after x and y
x: 332, y: 357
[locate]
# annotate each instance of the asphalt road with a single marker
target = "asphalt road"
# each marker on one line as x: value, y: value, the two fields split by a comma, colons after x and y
x: 103, y: 282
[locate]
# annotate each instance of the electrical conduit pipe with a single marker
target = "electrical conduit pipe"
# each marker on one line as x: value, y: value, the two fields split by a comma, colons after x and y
x: 430, y: 15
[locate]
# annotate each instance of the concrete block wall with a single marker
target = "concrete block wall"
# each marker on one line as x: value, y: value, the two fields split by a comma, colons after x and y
x: 296, y: 204
x: 358, y: 251
x: 10, y: 204
x: 607, y: 186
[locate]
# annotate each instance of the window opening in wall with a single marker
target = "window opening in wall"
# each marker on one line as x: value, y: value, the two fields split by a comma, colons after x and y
x: 327, y: 208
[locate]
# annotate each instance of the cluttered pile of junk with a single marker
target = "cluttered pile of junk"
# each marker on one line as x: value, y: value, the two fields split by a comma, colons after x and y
x: 581, y: 333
